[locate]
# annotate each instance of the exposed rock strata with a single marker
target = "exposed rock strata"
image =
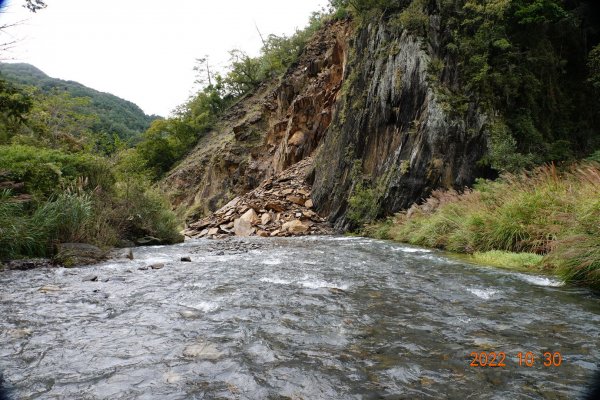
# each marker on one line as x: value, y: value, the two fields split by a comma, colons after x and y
x: 385, y: 130
x: 392, y: 133
x: 279, y: 124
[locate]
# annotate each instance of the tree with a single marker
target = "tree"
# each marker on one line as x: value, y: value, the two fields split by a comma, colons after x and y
x: 245, y: 74
x: 14, y: 106
x: 594, y: 67
x: 34, y: 5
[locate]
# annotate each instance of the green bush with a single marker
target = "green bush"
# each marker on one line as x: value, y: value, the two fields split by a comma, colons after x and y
x: 78, y: 198
x: 362, y: 205
x: 45, y: 171
x: 414, y: 18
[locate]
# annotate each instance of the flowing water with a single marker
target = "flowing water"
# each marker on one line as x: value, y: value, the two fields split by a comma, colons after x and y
x: 309, y: 318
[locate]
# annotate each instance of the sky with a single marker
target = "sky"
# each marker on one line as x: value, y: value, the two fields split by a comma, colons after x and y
x: 144, y: 50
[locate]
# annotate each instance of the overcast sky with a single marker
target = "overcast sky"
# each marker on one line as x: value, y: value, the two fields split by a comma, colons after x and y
x: 144, y: 50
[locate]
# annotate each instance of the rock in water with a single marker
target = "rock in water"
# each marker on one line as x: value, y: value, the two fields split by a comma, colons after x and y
x: 49, y: 289
x: 148, y: 241
x: 242, y: 227
x: 186, y: 259
x: 74, y: 254
x: 157, y: 266
x: 204, y: 350
x: 295, y: 226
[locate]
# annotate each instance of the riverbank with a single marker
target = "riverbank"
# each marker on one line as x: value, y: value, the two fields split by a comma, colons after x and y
x: 549, y: 218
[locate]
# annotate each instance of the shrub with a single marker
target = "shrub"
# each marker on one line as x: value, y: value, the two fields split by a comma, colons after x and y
x: 362, y: 205
x: 44, y: 170
x: 62, y: 218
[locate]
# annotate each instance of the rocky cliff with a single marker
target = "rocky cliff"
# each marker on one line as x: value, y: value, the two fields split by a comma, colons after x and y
x: 363, y: 101
x: 266, y: 132
x: 392, y: 141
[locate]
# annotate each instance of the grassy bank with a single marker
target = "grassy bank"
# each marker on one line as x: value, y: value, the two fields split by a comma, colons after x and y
x: 550, y: 213
x: 49, y: 196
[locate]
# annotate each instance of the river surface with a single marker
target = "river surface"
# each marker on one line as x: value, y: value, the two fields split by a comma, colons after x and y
x: 309, y: 318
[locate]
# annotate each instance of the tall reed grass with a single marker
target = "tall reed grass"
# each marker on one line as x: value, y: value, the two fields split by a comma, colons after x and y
x: 550, y: 212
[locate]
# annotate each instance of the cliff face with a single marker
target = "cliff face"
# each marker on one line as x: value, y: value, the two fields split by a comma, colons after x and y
x: 268, y: 131
x: 364, y: 102
x: 391, y: 135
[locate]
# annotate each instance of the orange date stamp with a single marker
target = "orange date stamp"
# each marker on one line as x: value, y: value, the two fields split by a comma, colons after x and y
x: 528, y: 359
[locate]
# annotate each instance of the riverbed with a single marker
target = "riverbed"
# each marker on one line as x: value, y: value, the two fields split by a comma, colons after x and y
x: 293, y: 318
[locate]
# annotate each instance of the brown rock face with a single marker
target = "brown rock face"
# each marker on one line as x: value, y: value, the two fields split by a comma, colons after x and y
x: 278, y: 125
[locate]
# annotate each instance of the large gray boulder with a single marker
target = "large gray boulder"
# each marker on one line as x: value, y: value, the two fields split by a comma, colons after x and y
x: 77, y: 254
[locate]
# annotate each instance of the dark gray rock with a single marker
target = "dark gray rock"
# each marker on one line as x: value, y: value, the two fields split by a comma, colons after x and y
x: 186, y: 259
x: 124, y: 243
x: 119, y: 254
x: 27, y: 264
x: 77, y: 254
x: 148, y: 241
x: 392, y: 131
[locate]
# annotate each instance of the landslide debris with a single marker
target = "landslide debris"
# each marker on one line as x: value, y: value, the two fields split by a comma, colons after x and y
x: 280, y: 206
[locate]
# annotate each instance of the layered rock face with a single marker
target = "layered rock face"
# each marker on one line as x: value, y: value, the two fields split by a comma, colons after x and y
x: 364, y: 104
x: 279, y: 124
x: 391, y: 133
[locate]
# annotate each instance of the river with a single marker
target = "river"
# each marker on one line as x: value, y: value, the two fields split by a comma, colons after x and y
x: 298, y: 318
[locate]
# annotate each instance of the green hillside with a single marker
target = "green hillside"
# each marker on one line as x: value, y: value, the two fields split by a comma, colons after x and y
x: 115, y: 115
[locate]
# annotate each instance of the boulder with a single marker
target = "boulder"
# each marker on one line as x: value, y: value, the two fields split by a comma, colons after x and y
x: 90, y: 278
x: 308, y: 204
x: 275, y: 207
x: 262, y: 233
x: 119, y: 254
x: 242, y: 227
x: 27, y: 264
x: 297, y: 200
x: 203, y: 233
x: 75, y: 254
x: 266, y: 218
x: 250, y: 216
x: 186, y: 259
x: 295, y: 226
x: 148, y: 241
x: 124, y: 243
x: 213, y: 231
x: 157, y: 266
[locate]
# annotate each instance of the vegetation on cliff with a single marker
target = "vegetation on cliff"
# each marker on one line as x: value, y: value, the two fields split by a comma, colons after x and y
x: 532, y: 66
x: 166, y: 142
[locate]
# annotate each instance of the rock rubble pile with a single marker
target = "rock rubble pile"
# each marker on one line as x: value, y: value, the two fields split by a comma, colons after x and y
x: 280, y: 206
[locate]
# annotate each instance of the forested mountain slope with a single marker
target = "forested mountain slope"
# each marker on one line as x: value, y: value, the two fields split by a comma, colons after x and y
x: 115, y: 115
